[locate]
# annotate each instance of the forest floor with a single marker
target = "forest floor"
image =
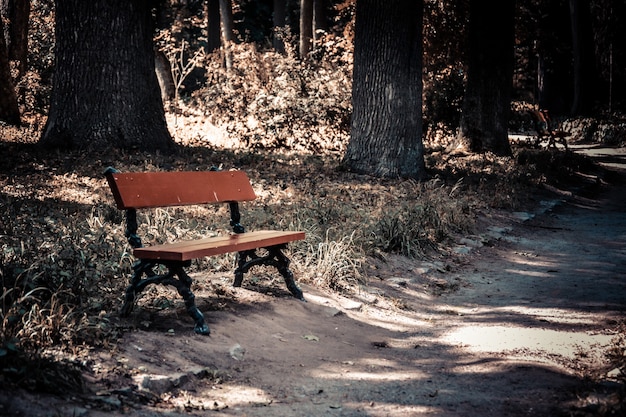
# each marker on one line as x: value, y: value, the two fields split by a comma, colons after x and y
x: 517, y: 321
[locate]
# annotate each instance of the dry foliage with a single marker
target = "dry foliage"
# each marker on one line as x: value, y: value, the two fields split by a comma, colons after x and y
x: 270, y: 101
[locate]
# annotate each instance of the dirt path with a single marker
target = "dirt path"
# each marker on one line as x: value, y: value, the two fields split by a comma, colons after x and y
x: 510, y: 328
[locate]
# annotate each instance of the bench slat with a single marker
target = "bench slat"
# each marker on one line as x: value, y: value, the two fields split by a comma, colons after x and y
x: 184, y: 251
x: 161, y: 189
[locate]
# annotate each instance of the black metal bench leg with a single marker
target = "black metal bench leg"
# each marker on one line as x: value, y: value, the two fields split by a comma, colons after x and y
x: 182, y: 285
x: 243, y: 266
x: 275, y: 258
x: 282, y: 264
x: 139, y: 268
x: 184, y: 289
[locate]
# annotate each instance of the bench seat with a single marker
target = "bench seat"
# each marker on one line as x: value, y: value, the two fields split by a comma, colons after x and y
x: 186, y: 250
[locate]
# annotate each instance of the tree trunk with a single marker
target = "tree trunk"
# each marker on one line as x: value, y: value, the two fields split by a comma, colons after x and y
x: 487, y: 101
x: 554, y: 66
x: 16, y: 32
x: 9, y: 110
x: 163, y: 69
x: 105, y: 91
x: 213, y: 26
x: 386, y: 130
x: 228, y: 37
x: 306, y: 27
x: 585, y: 80
x: 319, y: 17
x: 279, y: 19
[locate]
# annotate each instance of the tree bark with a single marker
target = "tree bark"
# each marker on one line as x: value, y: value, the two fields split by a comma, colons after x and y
x: 213, y: 25
x: 228, y: 37
x: 9, y: 110
x: 105, y: 91
x: 279, y: 20
x: 585, y: 80
x: 319, y: 17
x: 386, y: 129
x: 487, y: 101
x: 163, y: 69
x: 16, y: 32
x: 306, y: 27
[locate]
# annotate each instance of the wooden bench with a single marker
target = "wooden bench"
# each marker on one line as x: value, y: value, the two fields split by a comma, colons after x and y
x: 145, y: 190
x: 545, y: 131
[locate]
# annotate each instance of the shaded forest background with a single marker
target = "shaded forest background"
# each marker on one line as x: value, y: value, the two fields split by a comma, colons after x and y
x: 284, y: 97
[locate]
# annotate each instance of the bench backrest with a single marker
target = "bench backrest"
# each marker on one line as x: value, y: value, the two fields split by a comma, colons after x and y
x: 134, y: 190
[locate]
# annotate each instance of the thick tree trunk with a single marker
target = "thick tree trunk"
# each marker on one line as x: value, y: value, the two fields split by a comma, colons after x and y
x: 105, y: 91
x: 585, y: 80
x: 213, y: 26
x: 9, y: 110
x: 386, y: 131
x: 306, y: 27
x: 279, y: 20
x: 487, y: 101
